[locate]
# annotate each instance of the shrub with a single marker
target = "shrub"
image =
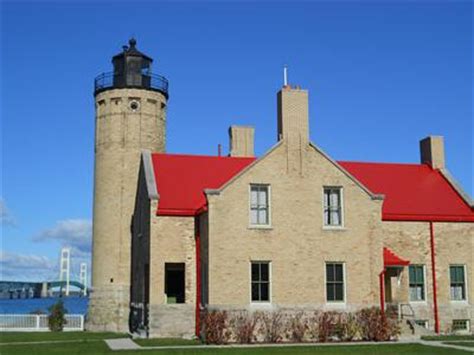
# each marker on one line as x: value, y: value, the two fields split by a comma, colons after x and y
x: 297, y: 327
x: 244, y: 325
x: 376, y: 326
x: 349, y: 327
x: 56, y: 319
x: 272, y: 326
x: 327, y: 325
x: 215, y: 330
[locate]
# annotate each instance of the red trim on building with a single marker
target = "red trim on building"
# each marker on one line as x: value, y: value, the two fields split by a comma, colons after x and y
x: 433, y: 272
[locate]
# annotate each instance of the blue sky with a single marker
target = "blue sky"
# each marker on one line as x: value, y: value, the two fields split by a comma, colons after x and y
x: 381, y: 76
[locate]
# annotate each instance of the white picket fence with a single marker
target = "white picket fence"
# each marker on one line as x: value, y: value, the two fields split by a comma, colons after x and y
x: 37, y: 322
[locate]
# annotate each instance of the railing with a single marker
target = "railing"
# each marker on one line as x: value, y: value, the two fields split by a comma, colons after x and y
x: 37, y: 322
x: 150, y: 81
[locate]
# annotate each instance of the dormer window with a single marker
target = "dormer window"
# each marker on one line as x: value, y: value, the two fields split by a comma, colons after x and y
x: 333, y: 207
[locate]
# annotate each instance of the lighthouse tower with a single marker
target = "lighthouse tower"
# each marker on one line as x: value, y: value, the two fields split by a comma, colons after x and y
x: 130, y: 116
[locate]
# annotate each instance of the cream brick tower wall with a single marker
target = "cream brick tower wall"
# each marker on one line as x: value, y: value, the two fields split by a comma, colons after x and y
x: 127, y: 121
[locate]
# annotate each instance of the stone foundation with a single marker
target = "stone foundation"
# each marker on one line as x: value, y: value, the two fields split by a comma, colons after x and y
x: 172, y: 320
x: 108, y: 309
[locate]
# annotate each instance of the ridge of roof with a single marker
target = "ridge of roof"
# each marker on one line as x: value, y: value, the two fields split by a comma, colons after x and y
x: 382, y: 163
x: 199, y: 156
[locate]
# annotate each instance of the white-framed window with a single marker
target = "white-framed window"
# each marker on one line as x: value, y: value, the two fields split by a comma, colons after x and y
x: 457, y: 281
x: 422, y: 323
x: 260, y: 282
x: 460, y: 325
x: 259, y: 205
x: 416, y: 280
x: 333, y: 207
x: 335, y: 282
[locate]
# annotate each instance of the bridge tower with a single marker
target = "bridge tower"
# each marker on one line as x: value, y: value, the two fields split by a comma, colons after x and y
x: 83, y: 277
x: 65, y: 267
x: 130, y: 105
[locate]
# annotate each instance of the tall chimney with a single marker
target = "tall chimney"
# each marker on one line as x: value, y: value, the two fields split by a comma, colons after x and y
x: 241, y: 141
x: 432, y: 151
x: 293, y: 123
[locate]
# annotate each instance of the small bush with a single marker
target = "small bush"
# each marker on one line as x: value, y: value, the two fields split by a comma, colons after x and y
x: 244, y: 325
x: 272, y: 326
x: 56, y: 319
x: 375, y: 326
x: 297, y: 327
x: 215, y: 328
x: 326, y: 325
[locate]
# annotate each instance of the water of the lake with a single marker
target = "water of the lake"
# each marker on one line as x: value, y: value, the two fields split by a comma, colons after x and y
x: 73, y: 305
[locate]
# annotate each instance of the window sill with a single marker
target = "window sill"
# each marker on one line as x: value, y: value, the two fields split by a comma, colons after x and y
x: 265, y: 305
x: 260, y: 226
x: 335, y: 228
x: 422, y: 302
x: 336, y: 304
x: 459, y: 301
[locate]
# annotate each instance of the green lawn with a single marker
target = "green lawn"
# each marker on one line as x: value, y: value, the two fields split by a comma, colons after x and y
x: 469, y: 344
x: 15, y: 337
x: 93, y: 346
x: 76, y: 343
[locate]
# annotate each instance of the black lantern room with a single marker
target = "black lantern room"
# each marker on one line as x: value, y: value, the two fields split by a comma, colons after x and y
x: 132, y: 69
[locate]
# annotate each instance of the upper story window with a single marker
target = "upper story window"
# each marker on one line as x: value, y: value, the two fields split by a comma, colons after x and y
x: 335, y: 282
x: 416, y: 275
x: 259, y: 205
x: 260, y: 283
x: 332, y: 207
x: 457, y: 282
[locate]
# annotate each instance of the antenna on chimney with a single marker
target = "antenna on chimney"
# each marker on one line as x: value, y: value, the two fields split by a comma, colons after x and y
x: 285, y: 75
x: 219, y: 150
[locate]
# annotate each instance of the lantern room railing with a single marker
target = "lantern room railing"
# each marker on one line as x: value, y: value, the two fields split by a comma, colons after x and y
x: 111, y: 80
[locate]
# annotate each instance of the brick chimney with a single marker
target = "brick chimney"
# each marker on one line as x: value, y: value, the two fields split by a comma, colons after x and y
x: 241, y: 141
x: 293, y: 123
x: 432, y: 151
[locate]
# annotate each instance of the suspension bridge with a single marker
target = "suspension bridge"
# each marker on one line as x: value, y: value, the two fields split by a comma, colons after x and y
x: 25, y: 289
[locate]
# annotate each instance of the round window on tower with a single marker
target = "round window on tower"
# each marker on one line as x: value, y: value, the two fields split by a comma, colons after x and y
x: 134, y: 105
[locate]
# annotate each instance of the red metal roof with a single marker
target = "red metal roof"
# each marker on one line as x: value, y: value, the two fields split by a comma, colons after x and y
x: 181, y: 180
x: 392, y: 259
x: 413, y: 192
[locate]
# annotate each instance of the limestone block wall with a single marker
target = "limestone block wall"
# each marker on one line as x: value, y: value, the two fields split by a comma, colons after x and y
x: 454, y: 245
x: 296, y: 243
x: 121, y: 133
x: 172, y: 241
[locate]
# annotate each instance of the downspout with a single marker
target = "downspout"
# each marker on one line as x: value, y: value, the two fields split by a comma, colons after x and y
x: 198, y: 276
x: 433, y: 272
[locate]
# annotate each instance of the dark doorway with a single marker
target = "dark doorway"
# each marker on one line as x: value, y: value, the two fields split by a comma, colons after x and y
x: 174, y: 282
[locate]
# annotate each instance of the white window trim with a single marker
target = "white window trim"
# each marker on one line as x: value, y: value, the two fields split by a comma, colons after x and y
x: 427, y: 323
x: 466, y: 286
x: 270, y: 293
x: 462, y: 331
x: 336, y: 303
x: 424, y: 285
x: 260, y: 226
x: 342, y: 225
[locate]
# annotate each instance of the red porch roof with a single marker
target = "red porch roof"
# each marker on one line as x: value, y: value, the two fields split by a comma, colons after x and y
x: 392, y: 259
